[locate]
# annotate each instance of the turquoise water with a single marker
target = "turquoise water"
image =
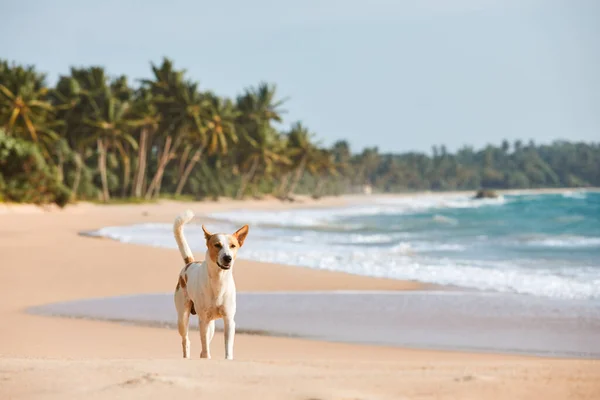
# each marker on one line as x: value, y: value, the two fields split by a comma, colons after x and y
x: 564, y: 230
x: 543, y: 244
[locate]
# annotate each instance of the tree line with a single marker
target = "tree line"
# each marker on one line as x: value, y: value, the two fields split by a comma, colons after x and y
x: 95, y: 136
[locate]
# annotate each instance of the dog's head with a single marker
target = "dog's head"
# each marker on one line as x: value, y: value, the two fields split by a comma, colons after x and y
x: 222, y: 248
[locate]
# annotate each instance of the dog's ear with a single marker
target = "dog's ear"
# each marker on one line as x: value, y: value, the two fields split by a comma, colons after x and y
x: 207, y: 234
x: 241, y: 234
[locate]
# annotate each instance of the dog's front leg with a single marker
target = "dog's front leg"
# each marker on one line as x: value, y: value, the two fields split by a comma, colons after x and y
x: 204, y: 338
x: 229, y: 325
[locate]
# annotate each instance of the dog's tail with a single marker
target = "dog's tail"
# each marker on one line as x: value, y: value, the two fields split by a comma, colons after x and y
x: 184, y: 249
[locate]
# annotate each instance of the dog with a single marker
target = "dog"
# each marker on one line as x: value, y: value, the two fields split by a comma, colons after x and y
x: 207, y: 288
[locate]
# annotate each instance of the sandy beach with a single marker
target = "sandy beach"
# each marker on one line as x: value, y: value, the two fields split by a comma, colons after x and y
x: 44, y: 259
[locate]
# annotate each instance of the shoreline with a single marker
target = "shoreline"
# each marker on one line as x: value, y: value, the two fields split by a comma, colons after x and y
x: 229, y: 204
x: 482, y: 322
x: 417, y: 262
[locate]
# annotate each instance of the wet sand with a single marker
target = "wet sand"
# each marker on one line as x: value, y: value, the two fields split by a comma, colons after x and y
x: 450, y: 320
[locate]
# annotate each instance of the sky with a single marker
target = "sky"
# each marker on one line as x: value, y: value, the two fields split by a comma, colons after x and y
x: 402, y: 75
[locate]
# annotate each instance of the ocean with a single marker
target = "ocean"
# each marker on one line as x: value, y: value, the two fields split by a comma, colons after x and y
x: 545, y: 245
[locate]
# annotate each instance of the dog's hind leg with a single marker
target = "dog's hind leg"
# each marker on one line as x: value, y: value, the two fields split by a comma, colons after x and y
x: 183, y: 322
x: 183, y: 306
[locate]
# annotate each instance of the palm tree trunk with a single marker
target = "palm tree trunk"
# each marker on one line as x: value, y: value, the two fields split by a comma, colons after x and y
x: 102, y: 169
x: 284, y: 181
x: 141, y: 166
x: 144, y: 186
x: 188, y: 170
x: 158, y: 185
x: 183, y: 161
x: 170, y: 156
x: 77, y: 179
x: 166, y: 156
x: 297, y: 176
x: 126, y: 175
x: 246, y: 179
x: 162, y: 163
x: 319, y: 187
x: 60, y: 171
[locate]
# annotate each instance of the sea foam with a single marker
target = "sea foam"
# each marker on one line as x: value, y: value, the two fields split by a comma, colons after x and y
x: 448, y: 240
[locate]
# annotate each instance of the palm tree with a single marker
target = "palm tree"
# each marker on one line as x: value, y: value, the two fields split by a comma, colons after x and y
x: 179, y: 105
x: 66, y: 99
x: 185, y: 117
x: 80, y: 98
x: 98, y: 111
x: 219, y: 129
x: 264, y: 149
x: 322, y: 165
x: 24, y: 107
x: 259, y: 105
x: 113, y: 126
x: 144, y: 112
x: 343, y: 158
x: 302, y: 148
x: 260, y: 143
x: 193, y: 126
x: 161, y: 92
x: 284, y: 170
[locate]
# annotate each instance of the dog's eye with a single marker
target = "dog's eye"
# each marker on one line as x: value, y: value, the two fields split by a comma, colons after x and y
x: 218, y: 245
x: 232, y: 246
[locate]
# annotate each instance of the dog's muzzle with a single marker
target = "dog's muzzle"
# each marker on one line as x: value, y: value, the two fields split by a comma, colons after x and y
x: 226, y: 264
x: 226, y: 261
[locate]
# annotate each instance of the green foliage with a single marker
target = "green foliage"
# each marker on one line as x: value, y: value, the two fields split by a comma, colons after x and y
x: 25, y: 176
x: 166, y: 138
x: 24, y: 108
x: 560, y: 164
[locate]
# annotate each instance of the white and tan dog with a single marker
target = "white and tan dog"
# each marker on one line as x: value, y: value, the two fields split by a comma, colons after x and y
x: 207, y: 288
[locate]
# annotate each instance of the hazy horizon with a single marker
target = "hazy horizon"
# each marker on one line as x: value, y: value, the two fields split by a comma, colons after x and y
x: 401, y: 76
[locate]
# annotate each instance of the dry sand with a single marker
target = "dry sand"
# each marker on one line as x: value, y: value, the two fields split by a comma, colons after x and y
x: 43, y: 260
